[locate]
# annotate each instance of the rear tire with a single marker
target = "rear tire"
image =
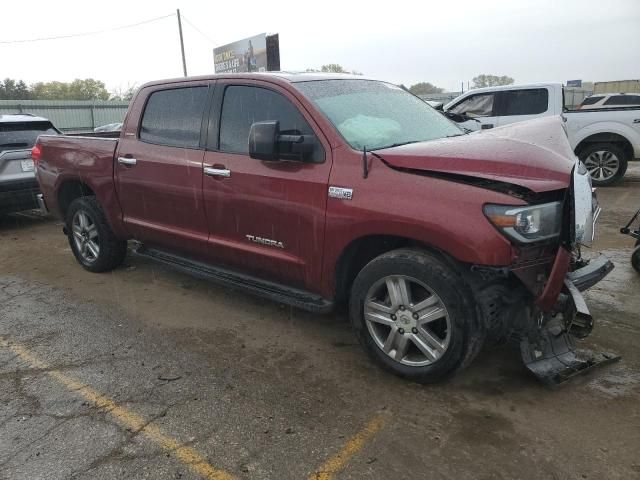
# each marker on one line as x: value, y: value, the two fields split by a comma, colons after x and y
x: 413, y: 315
x: 91, y: 239
x: 606, y: 163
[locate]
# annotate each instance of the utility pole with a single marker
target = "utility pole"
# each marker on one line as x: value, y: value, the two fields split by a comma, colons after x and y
x: 184, y: 61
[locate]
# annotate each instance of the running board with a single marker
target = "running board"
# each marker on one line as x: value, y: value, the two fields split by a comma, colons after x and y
x: 262, y: 288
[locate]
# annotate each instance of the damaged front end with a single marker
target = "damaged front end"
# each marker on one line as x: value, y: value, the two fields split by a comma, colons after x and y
x: 537, y: 300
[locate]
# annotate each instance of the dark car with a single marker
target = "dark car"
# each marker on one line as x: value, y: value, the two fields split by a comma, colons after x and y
x: 18, y: 185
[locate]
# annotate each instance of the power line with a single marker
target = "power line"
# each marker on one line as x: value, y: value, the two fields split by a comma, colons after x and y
x: 85, y: 34
x: 199, y: 31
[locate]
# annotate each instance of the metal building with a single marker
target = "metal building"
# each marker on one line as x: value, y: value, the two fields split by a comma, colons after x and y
x: 620, y: 86
x: 70, y: 115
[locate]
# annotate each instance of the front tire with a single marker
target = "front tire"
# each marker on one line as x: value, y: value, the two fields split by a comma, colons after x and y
x: 606, y: 163
x: 413, y: 315
x: 91, y: 239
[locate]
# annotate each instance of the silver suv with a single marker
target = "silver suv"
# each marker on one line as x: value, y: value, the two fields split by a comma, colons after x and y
x: 610, y: 100
x: 18, y: 186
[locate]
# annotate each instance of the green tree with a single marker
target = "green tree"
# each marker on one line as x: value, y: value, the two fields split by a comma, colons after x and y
x: 14, y: 90
x: 333, y: 68
x: 485, y: 80
x: 424, y: 88
x: 87, y: 89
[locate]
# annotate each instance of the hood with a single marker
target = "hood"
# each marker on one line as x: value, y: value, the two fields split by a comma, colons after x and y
x: 535, y: 155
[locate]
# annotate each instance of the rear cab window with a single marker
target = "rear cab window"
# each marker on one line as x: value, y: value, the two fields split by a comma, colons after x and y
x: 23, y: 135
x: 174, y: 117
x: 530, y: 101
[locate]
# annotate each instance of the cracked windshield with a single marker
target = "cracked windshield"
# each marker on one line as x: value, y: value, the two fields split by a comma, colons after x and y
x: 325, y: 241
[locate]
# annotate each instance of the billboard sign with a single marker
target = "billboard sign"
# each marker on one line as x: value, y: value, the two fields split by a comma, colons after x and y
x: 254, y: 54
x: 574, y: 83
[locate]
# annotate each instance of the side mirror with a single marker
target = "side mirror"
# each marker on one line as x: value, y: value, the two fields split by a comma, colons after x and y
x: 266, y: 143
x: 456, y: 117
x: 263, y: 140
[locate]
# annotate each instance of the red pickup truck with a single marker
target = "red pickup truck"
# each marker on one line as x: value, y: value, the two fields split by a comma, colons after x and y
x: 318, y: 190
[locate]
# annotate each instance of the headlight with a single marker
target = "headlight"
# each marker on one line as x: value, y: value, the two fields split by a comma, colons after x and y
x: 527, y: 224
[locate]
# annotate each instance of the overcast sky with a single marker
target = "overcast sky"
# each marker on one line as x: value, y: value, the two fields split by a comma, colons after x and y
x: 444, y: 43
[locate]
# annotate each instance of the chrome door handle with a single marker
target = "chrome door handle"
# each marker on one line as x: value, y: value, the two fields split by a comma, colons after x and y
x: 216, y: 172
x: 127, y: 161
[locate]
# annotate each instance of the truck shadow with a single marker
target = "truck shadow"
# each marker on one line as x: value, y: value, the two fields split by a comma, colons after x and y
x: 23, y: 220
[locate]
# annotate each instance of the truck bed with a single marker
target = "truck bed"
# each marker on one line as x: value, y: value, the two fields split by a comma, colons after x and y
x: 623, y: 121
x: 77, y: 162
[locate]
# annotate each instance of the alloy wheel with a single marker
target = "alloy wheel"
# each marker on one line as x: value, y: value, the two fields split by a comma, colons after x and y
x: 85, y: 236
x: 602, y: 165
x: 407, y: 320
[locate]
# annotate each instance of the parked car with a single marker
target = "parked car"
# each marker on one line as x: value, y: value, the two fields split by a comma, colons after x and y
x: 610, y: 100
x: 316, y: 190
x: 18, y: 184
x: 605, y: 140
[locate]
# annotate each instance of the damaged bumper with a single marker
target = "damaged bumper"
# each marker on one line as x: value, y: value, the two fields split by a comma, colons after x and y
x: 552, y: 355
x: 550, y: 352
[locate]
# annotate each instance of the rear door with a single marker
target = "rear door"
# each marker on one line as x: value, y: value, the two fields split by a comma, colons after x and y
x: 523, y: 104
x: 479, y: 108
x: 266, y: 218
x: 159, y: 170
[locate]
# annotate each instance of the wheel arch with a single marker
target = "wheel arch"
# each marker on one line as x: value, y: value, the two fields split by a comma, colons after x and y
x: 607, y: 137
x: 360, y: 251
x: 68, y: 191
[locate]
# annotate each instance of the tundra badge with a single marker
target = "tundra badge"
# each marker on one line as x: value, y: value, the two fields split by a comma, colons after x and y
x: 341, y: 193
x: 265, y: 241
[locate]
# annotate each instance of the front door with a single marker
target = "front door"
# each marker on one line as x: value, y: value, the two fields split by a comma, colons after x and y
x: 266, y: 218
x: 159, y: 171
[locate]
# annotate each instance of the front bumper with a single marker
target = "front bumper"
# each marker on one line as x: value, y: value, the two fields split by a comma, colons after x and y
x: 587, y: 276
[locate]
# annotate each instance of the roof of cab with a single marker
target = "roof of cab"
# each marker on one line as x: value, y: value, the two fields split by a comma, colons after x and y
x: 280, y: 76
x: 21, y: 117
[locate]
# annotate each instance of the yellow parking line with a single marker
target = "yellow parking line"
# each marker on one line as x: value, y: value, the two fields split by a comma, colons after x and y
x: 336, y: 463
x: 187, y: 455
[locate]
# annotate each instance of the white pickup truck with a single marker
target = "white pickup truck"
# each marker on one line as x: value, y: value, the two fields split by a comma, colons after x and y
x: 604, y: 139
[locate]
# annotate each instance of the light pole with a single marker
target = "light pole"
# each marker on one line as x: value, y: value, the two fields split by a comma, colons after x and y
x: 184, y: 61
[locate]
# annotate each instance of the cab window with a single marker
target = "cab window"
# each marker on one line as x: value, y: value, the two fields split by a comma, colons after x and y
x: 480, y: 105
x: 173, y: 117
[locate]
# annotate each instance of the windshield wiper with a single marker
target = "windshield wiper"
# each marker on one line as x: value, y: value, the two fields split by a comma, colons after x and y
x: 399, y: 144
x: 458, y: 134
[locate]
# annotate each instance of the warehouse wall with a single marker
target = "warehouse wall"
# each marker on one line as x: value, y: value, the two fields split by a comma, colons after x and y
x: 70, y: 115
